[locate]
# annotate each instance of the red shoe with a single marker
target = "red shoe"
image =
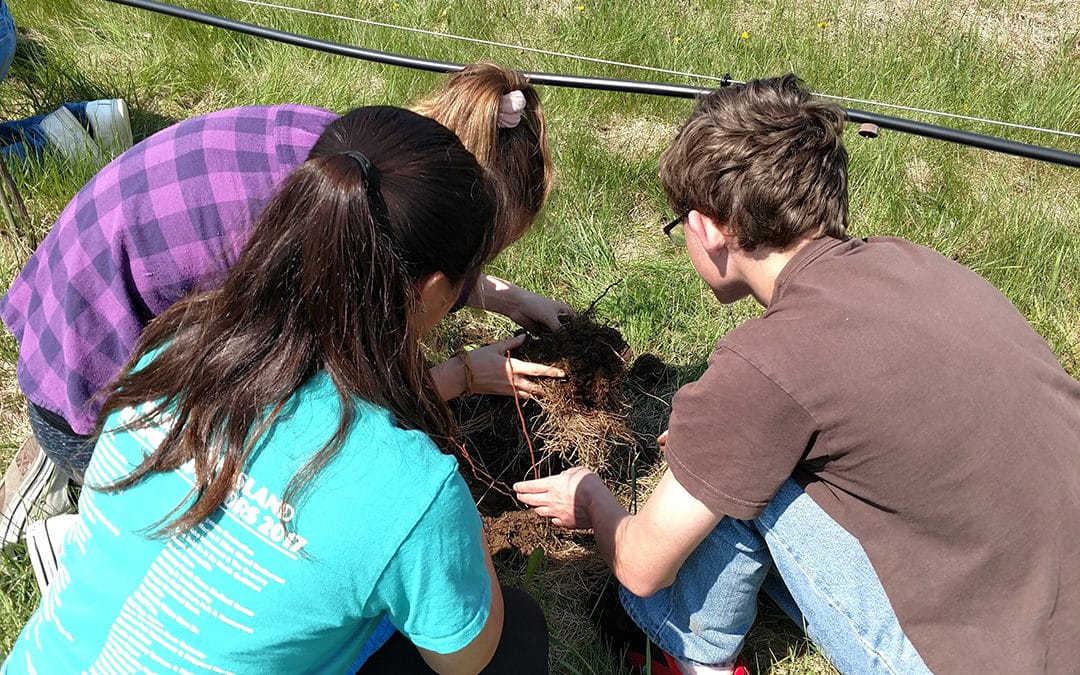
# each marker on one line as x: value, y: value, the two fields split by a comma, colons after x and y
x: 668, y: 665
x: 662, y: 662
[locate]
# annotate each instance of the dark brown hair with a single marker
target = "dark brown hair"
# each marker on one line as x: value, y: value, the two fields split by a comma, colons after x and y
x: 327, y: 282
x: 766, y: 159
x: 518, y: 157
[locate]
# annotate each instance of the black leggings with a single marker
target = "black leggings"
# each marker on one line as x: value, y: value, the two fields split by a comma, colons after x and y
x: 523, y: 647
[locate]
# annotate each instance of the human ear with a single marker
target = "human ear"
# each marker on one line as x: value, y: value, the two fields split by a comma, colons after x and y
x: 437, y: 294
x: 712, y: 235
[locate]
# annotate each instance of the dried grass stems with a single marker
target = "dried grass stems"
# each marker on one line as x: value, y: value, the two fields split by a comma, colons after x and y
x: 605, y: 415
x: 586, y: 419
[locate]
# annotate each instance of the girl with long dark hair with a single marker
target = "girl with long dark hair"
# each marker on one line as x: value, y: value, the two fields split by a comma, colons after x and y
x: 170, y: 216
x: 273, y: 471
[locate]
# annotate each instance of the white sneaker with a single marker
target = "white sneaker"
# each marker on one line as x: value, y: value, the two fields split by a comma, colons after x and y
x: 44, y: 544
x: 68, y: 137
x: 110, y: 125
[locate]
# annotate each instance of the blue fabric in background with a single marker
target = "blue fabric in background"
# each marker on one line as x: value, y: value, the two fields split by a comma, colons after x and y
x: 7, y: 39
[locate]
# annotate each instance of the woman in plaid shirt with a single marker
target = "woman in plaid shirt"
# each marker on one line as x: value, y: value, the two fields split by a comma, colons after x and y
x: 170, y: 216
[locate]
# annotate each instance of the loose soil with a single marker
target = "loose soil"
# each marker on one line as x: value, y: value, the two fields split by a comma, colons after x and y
x: 603, y: 416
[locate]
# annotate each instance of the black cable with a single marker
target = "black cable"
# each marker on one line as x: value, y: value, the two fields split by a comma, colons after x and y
x: 983, y: 141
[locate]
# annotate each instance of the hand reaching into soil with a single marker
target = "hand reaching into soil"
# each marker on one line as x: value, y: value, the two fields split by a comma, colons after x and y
x: 494, y: 373
x: 566, y: 498
x: 533, y: 311
x: 487, y: 370
x: 529, y: 310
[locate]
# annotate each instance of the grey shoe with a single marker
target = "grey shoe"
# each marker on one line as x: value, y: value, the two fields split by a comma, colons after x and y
x: 108, y: 135
x: 70, y: 138
x: 32, y: 488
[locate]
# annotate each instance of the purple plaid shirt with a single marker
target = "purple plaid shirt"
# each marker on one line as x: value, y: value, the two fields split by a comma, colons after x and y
x: 169, y: 215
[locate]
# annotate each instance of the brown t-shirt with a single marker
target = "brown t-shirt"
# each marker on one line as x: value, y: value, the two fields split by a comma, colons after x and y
x: 920, y: 410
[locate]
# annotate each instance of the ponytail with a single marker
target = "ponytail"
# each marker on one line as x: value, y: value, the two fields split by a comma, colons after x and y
x: 518, y: 156
x: 327, y: 282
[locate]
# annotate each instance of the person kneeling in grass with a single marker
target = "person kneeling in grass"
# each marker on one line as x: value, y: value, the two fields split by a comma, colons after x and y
x: 889, y: 450
x: 169, y: 217
x: 273, y: 473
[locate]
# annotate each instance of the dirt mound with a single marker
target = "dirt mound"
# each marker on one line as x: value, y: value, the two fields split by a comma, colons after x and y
x: 586, y: 419
x: 517, y: 532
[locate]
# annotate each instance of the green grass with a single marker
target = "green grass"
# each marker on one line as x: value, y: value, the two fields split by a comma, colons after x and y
x: 1014, y: 221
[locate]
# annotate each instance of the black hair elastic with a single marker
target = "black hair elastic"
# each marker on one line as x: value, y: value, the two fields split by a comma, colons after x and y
x: 371, y: 185
x: 367, y: 170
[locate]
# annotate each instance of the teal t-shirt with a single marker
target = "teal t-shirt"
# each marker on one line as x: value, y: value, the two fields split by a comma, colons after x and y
x: 388, y: 528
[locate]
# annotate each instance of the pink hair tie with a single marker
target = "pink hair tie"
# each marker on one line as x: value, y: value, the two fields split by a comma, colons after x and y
x: 510, y: 107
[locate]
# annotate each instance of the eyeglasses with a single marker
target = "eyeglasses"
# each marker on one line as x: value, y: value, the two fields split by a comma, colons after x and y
x: 675, y: 232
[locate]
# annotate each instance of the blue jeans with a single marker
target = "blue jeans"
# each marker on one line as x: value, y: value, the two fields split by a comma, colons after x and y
x: 814, y: 569
x: 24, y: 138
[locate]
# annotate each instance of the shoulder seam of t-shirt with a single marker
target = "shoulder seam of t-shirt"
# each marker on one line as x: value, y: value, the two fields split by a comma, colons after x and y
x: 702, y: 483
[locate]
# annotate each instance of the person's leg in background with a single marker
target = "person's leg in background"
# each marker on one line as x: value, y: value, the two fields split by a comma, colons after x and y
x: 17, y: 136
x: 21, y: 139
x: 7, y: 39
x: 95, y: 130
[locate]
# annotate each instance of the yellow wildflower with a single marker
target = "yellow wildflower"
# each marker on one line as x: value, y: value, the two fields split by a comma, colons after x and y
x: 822, y: 24
x: 581, y: 8
x: 745, y: 35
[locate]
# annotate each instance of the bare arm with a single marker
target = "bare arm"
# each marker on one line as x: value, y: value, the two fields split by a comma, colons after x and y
x: 644, y: 550
x: 529, y: 310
